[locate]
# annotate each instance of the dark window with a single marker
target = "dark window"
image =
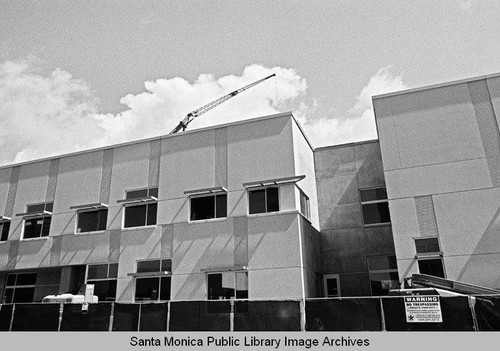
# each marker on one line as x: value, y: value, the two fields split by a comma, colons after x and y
x: 153, y: 288
x: 103, y: 276
x: 332, y: 286
x: 383, y: 271
x: 141, y: 193
x: 374, y: 205
x: 207, y: 207
x: 36, y: 227
x: 227, y: 285
x: 91, y: 221
x: 140, y: 215
x: 427, y: 245
x: 263, y: 200
x: 39, y: 226
x: 20, y: 288
x: 433, y: 266
x: 4, y: 230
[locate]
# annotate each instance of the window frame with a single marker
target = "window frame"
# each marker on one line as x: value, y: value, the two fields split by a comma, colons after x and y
x: 4, y: 229
x: 382, y: 271
x: 235, y: 279
x: 140, y: 201
x: 44, y: 215
x: 89, y: 211
x: 107, y: 279
x: 15, y: 286
x: 302, y: 195
x: 429, y: 255
x: 374, y: 202
x: 214, y: 195
x: 160, y: 275
x: 249, y: 190
x: 325, y: 285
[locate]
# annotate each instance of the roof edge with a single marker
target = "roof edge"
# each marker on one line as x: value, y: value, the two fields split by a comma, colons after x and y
x: 437, y: 85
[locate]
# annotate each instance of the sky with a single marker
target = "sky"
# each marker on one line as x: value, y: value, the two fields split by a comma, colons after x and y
x: 79, y: 74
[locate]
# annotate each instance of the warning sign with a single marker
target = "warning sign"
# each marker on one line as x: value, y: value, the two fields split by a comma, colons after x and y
x: 423, y: 309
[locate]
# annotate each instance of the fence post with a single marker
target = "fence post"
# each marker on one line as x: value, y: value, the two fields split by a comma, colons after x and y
x: 111, y: 316
x: 472, y: 301
x: 61, y: 309
x: 139, y: 318
x: 302, y: 315
x: 382, y: 315
x: 12, y: 316
x: 231, y: 315
x: 168, y: 315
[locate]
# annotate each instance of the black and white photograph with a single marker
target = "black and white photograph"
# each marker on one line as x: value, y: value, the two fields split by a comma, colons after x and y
x: 249, y: 175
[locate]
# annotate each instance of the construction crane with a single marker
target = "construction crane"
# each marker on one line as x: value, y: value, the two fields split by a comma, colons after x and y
x: 196, y: 113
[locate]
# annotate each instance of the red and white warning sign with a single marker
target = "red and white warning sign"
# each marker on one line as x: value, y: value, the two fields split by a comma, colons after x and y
x: 423, y: 309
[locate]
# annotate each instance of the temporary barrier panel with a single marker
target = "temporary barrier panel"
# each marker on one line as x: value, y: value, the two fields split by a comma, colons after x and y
x: 153, y: 317
x: 359, y: 314
x: 36, y: 317
x: 456, y: 315
x: 96, y: 319
x: 487, y: 310
x: 5, y: 317
x: 267, y: 316
x: 126, y: 317
x: 200, y: 315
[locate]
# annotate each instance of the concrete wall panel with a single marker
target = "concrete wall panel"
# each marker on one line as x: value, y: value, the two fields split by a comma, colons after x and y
x: 260, y: 151
x: 437, y: 179
x: 32, y: 185
x: 187, y: 163
x: 189, y: 286
x: 494, y: 89
x: 269, y: 283
x: 369, y: 165
x: 338, y: 161
x: 273, y: 241
x: 404, y: 226
x: 436, y: 126
x: 4, y: 188
x: 469, y: 222
x: 33, y: 253
x: 388, y: 134
x: 474, y: 269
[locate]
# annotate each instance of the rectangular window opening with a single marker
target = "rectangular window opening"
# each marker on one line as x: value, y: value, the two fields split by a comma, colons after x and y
x: 208, y: 207
x: 92, y: 221
x: 263, y: 200
x: 374, y: 206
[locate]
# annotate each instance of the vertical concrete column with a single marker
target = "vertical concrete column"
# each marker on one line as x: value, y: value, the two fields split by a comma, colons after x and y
x: 11, y: 196
x: 154, y: 163
x: 221, y: 157
x: 240, y: 232
x: 52, y: 182
x: 107, y: 170
x: 488, y: 127
x: 167, y: 241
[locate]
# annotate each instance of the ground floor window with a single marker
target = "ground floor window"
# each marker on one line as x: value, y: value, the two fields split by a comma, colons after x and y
x: 431, y: 266
x: 152, y: 289
x: 429, y: 256
x: 152, y: 280
x: 104, y: 277
x: 383, y: 272
x: 20, y: 287
x: 331, y: 283
x: 227, y: 285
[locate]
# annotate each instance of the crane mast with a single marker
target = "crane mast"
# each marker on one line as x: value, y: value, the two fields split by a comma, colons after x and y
x: 196, y: 113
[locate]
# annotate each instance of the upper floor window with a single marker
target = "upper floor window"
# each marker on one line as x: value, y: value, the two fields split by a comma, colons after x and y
x: 140, y: 207
x: 152, y: 280
x: 263, y: 200
x: 19, y: 287
x: 4, y: 228
x: 429, y: 256
x: 375, y: 206
x: 37, y: 220
x: 304, y: 205
x: 331, y: 285
x: 91, y: 217
x: 104, y: 277
x: 207, y: 207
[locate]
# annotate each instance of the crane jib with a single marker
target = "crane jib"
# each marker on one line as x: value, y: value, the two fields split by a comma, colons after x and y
x: 190, y: 116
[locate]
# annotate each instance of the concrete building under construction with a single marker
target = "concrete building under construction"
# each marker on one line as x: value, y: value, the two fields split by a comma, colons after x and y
x: 250, y: 210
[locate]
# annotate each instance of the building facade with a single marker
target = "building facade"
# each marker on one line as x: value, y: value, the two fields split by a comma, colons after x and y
x: 250, y: 210
x: 441, y: 155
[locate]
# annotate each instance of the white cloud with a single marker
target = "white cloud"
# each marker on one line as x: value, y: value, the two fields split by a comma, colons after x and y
x: 465, y: 4
x: 359, y: 122
x: 42, y: 116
